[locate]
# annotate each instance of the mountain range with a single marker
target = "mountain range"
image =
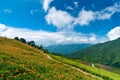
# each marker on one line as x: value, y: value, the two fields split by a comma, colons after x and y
x: 66, y: 48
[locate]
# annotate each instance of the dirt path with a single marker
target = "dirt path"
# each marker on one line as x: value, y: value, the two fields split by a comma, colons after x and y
x: 72, y: 67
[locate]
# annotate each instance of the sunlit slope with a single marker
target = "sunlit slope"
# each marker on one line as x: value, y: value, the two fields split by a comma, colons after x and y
x: 106, y: 75
x: 19, y: 61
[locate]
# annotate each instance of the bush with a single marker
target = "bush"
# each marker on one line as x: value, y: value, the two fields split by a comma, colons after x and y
x: 23, y: 40
x: 31, y: 43
x: 16, y: 38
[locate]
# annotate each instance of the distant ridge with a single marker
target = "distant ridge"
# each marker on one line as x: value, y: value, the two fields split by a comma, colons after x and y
x: 66, y: 48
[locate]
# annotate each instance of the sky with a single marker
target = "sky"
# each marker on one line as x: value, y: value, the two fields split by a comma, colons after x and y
x: 50, y: 22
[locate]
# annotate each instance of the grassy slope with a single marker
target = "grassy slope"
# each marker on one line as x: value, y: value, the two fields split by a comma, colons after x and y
x: 93, y: 70
x: 19, y: 61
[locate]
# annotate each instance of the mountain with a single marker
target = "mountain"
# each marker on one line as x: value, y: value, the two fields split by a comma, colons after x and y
x: 19, y: 61
x: 107, y: 53
x: 66, y: 48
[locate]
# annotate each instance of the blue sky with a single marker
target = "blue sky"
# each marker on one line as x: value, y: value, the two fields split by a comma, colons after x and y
x: 61, y: 21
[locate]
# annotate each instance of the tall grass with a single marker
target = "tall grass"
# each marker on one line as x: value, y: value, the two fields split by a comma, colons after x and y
x: 19, y: 61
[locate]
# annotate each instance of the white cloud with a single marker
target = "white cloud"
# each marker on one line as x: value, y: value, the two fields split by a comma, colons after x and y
x: 114, y: 33
x: 69, y: 8
x: 61, y: 19
x: 46, y: 4
x: 48, y: 38
x: 84, y: 17
x: 76, y: 4
x: 33, y: 11
x: 2, y: 26
x: 108, y: 12
x: 7, y: 11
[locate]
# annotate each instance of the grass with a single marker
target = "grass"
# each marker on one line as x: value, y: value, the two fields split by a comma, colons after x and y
x: 93, y: 70
x: 19, y: 61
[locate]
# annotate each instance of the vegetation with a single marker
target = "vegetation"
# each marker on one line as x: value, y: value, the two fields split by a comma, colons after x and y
x: 22, y: 40
x: 19, y: 61
x: 107, y: 53
x: 31, y: 43
x: 93, y: 70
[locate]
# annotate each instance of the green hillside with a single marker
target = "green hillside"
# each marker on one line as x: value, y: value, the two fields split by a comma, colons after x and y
x: 106, y: 75
x: 19, y: 61
x: 107, y: 53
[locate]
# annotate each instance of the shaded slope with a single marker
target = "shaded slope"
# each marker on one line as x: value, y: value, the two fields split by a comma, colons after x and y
x: 20, y: 61
x: 107, y: 53
x: 66, y: 48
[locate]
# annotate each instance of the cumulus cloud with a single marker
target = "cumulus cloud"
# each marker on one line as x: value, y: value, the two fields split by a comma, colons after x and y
x: 114, y: 33
x: 48, y: 38
x: 84, y: 17
x: 61, y: 19
x: 46, y: 4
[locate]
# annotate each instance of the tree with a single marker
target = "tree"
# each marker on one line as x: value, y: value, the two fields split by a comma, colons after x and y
x: 117, y: 64
x: 31, y: 43
x: 40, y: 47
x: 23, y: 40
x: 16, y: 38
x: 45, y: 51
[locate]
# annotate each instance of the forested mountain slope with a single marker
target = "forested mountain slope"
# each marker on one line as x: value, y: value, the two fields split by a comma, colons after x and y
x: 107, y: 53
